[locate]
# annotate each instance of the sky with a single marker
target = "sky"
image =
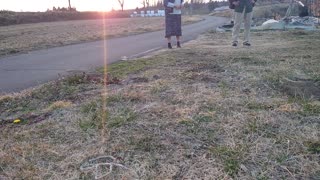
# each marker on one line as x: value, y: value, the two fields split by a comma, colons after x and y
x: 81, y: 5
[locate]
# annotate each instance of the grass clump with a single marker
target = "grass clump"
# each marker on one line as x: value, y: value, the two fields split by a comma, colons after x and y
x: 59, y: 105
x: 204, y: 118
x: 259, y: 106
x: 90, y: 107
x: 252, y: 125
x: 313, y: 146
x: 309, y: 108
x: 121, y: 118
x: 86, y: 124
x: 115, y: 98
x: 230, y: 157
x: 159, y: 87
x: 123, y: 68
x: 75, y: 79
x: 92, y: 115
x: 146, y: 144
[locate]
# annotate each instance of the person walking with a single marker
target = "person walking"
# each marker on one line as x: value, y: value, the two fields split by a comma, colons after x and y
x: 173, y: 21
x: 242, y: 11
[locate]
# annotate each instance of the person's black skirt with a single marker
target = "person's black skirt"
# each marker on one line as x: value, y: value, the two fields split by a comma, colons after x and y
x: 173, y: 25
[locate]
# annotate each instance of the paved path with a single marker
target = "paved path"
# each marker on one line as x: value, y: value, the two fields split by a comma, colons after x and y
x: 28, y: 70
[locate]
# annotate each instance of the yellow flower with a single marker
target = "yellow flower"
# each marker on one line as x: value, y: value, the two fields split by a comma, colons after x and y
x: 16, y: 121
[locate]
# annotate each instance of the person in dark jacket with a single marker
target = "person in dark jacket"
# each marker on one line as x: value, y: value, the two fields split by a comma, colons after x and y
x: 242, y: 10
x: 173, y: 20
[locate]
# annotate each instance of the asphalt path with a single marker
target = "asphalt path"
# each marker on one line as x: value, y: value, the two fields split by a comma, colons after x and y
x: 27, y: 70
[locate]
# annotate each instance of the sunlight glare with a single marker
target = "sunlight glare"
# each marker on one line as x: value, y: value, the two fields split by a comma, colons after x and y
x: 105, y: 73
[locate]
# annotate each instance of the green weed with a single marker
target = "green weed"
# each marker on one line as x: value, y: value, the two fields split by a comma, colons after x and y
x: 231, y: 158
x: 224, y: 88
x: 203, y: 118
x: 75, y: 79
x: 124, y: 116
x: 123, y: 68
x: 159, y: 87
x: 258, y: 106
x: 313, y: 147
x: 85, y: 125
x: 281, y: 158
x: 308, y: 108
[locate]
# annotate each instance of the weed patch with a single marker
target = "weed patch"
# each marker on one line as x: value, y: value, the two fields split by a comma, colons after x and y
x: 313, y: 147
x: 231, y: 158
x: 121, y: 118
x: 123, y: 68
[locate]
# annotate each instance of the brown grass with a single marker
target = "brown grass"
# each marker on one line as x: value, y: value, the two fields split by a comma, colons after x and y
x: 28, y: 37
x: 260, y: 11
x: 207, y: 111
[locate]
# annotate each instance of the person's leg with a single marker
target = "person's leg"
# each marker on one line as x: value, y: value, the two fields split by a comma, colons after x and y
x: 236, y: 27
x: 232, y: 18
x: 169, y: 42
x: 178, y: 41
x: 178, y: 30
x: 169, y: 24
x: 247, y: 27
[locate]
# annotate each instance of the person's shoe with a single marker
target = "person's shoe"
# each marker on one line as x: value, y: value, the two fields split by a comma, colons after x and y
x: 178, y: 44
x: 235, y: 44
x: 169, y: 46
x: 247, y: 44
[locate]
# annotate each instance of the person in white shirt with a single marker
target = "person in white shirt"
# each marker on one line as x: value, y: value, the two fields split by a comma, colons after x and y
x: 173, y: 20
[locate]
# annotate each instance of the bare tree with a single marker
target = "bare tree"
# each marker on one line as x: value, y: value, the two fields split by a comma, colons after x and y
x: 146, y: 4
x: 121, y: 2
x: 159, y: 3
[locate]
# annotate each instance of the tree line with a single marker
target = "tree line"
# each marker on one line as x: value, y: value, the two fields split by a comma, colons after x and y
x: 147, y: 4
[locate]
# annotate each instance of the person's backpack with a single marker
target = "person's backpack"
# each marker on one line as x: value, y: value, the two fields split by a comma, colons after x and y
x: 231, y: 5
x: 169, y: 10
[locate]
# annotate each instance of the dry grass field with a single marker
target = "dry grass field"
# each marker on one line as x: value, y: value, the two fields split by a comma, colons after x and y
x: 206, y: 111
x: 27, y: 37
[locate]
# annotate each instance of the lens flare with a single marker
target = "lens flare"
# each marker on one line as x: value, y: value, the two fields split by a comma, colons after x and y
x: 105, y: 82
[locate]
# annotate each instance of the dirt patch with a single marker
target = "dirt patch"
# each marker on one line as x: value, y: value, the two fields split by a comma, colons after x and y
x: 301, y: 88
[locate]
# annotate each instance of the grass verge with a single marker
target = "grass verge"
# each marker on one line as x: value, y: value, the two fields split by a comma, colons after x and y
x: 206, y: 110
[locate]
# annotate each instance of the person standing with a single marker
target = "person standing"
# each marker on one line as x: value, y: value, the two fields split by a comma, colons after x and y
x: 242, y: 10
x: 173, y: 20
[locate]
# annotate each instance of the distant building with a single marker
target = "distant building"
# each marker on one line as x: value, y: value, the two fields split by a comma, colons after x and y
x: 151, y: 13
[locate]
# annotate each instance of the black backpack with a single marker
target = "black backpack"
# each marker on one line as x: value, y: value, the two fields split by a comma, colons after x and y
x: 231, y: 5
